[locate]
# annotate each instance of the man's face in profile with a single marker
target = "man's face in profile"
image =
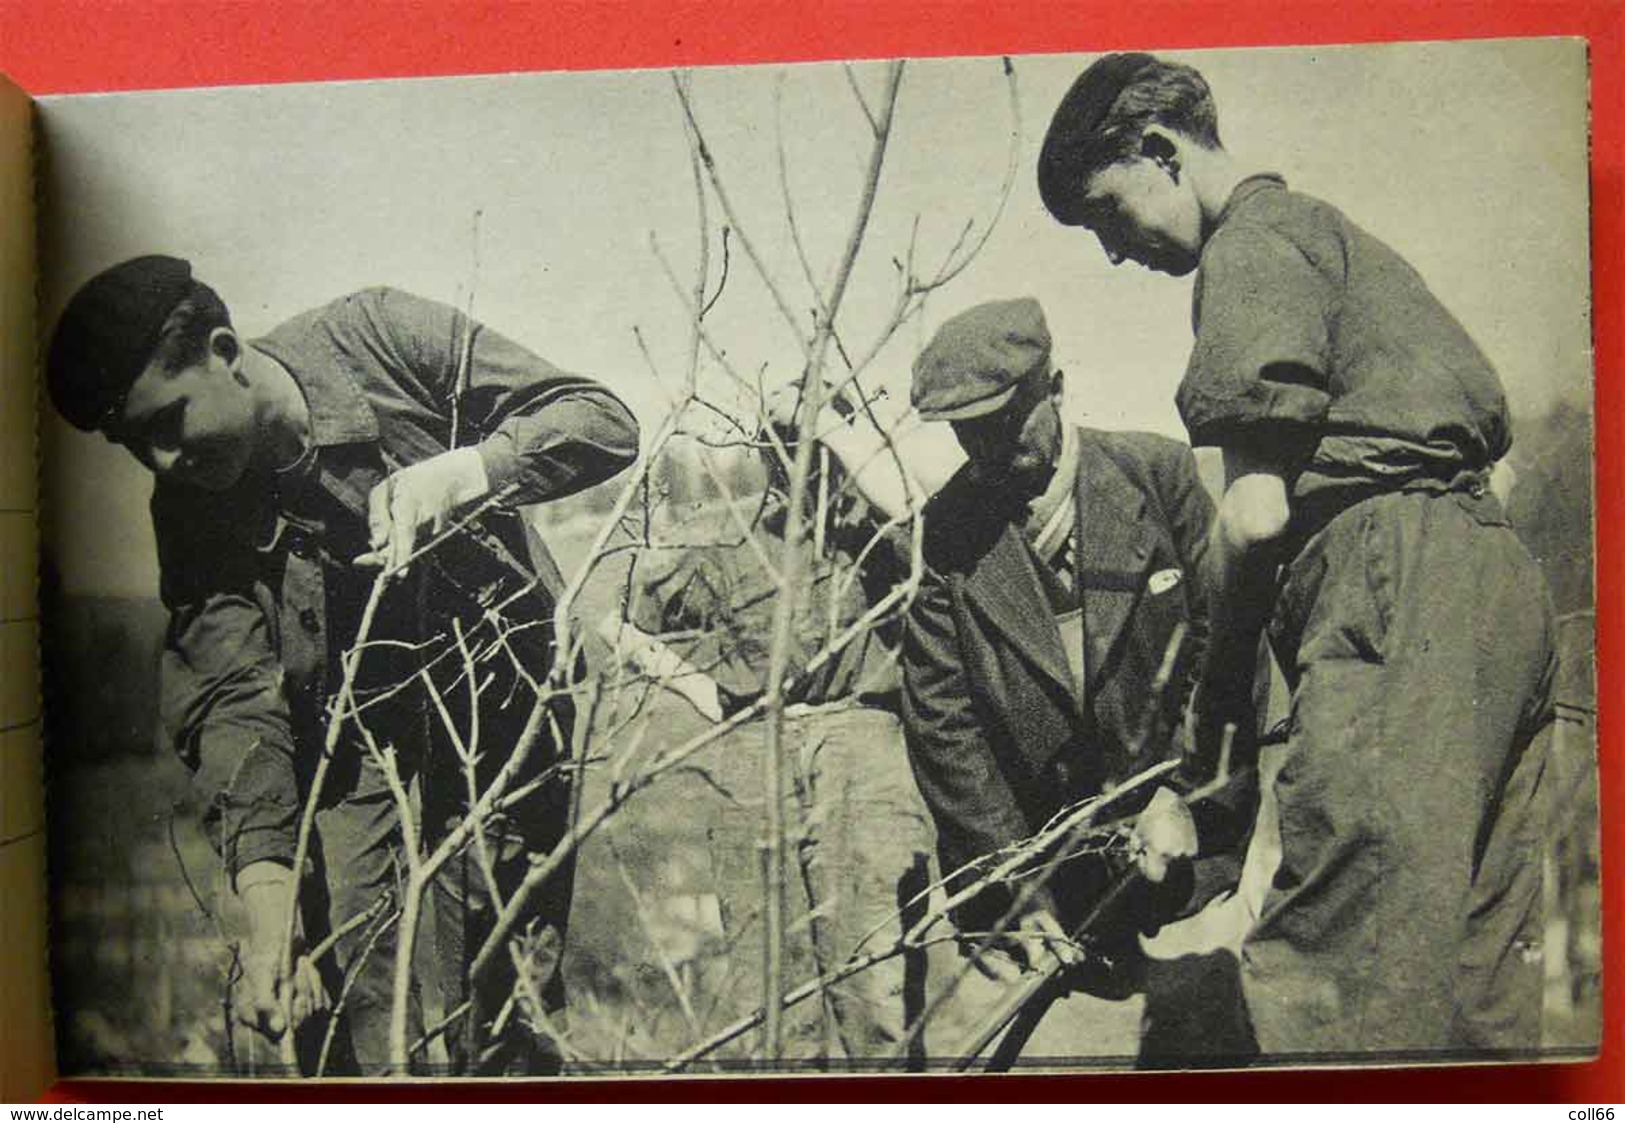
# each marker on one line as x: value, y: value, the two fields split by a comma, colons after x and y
x: 1142, y: 210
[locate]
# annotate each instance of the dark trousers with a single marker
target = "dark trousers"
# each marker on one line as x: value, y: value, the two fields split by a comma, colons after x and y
x: 1404, y: 918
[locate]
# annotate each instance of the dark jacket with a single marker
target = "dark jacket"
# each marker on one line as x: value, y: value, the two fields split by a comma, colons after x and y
x: 998, y: 735
x: 258, y: 580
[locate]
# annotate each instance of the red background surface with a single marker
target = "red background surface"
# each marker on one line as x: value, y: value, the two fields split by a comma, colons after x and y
x: 62, y: 46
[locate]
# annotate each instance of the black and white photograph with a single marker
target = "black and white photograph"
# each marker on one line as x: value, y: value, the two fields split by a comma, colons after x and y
x: 1018, y: 563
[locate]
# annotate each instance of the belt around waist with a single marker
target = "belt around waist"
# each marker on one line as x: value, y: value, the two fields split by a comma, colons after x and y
x: 1469, y: 487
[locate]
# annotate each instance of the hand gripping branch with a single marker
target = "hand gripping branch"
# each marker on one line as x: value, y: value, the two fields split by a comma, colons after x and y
x: 1188, y: 773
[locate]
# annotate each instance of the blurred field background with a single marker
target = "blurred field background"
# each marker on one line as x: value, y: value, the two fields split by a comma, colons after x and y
x: 664, y: 896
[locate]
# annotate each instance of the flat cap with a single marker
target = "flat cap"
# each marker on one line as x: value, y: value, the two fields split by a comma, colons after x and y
x: 975, y: 361
x: 1072, y: 146
x: 107, y: 333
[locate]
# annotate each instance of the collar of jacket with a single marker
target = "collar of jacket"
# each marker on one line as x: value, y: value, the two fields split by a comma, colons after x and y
x: 340, y: 416
x: 339, y: 411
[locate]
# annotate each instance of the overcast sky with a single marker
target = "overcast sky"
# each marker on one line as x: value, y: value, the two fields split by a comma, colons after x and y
x: 1469, y: 158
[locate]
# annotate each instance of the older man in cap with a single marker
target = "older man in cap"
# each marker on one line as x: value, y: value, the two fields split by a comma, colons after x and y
x: 1359, y: 424
x: 288, y: 468
x: 1061, y: 562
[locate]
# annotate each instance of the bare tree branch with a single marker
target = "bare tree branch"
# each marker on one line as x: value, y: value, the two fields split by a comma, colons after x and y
x: 857, y: 93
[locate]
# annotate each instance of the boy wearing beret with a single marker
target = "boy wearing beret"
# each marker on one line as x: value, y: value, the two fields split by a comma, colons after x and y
x: 288, y: 469
x: 1358, y: 423
x: 1060, y: 563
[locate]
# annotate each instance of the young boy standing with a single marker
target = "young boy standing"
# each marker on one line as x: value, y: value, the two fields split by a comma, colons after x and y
x: 1359, y: 423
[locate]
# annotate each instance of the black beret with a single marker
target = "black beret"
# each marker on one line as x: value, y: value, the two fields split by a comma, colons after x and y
x: 1071, y: 146
x: 975, y: 361
x: 107, y: 333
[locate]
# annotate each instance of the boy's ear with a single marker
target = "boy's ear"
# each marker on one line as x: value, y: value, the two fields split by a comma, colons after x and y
x: 1161, y: 147
x: 227, y: 350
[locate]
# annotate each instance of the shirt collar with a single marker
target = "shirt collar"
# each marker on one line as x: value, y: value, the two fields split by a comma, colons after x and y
x: 339, y: 411
x: 1043, y: 525
x: 1247, y: 188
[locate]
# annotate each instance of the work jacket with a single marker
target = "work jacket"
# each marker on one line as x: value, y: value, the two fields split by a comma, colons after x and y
x: 259, y: 579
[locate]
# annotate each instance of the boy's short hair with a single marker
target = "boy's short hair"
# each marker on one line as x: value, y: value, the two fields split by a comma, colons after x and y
x: 1103, y: 118
x: 120, y: 321
x: 184, y: 338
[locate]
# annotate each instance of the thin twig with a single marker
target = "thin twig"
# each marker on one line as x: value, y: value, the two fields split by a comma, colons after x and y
x: 798, y: 995
x: 351, y: 663
x: 785, y: 609
x: 351, y: 974
x: 465, y: 350
x: 722, y: 279
x: 820, y: 307
x: 863, y: 102
x: 681, y: 84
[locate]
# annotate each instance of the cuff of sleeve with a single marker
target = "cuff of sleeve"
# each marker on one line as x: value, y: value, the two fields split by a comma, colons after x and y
x: 263, y: 844
x: 1244, y: 412
x: 254, y: 874
x: 500, y: 461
